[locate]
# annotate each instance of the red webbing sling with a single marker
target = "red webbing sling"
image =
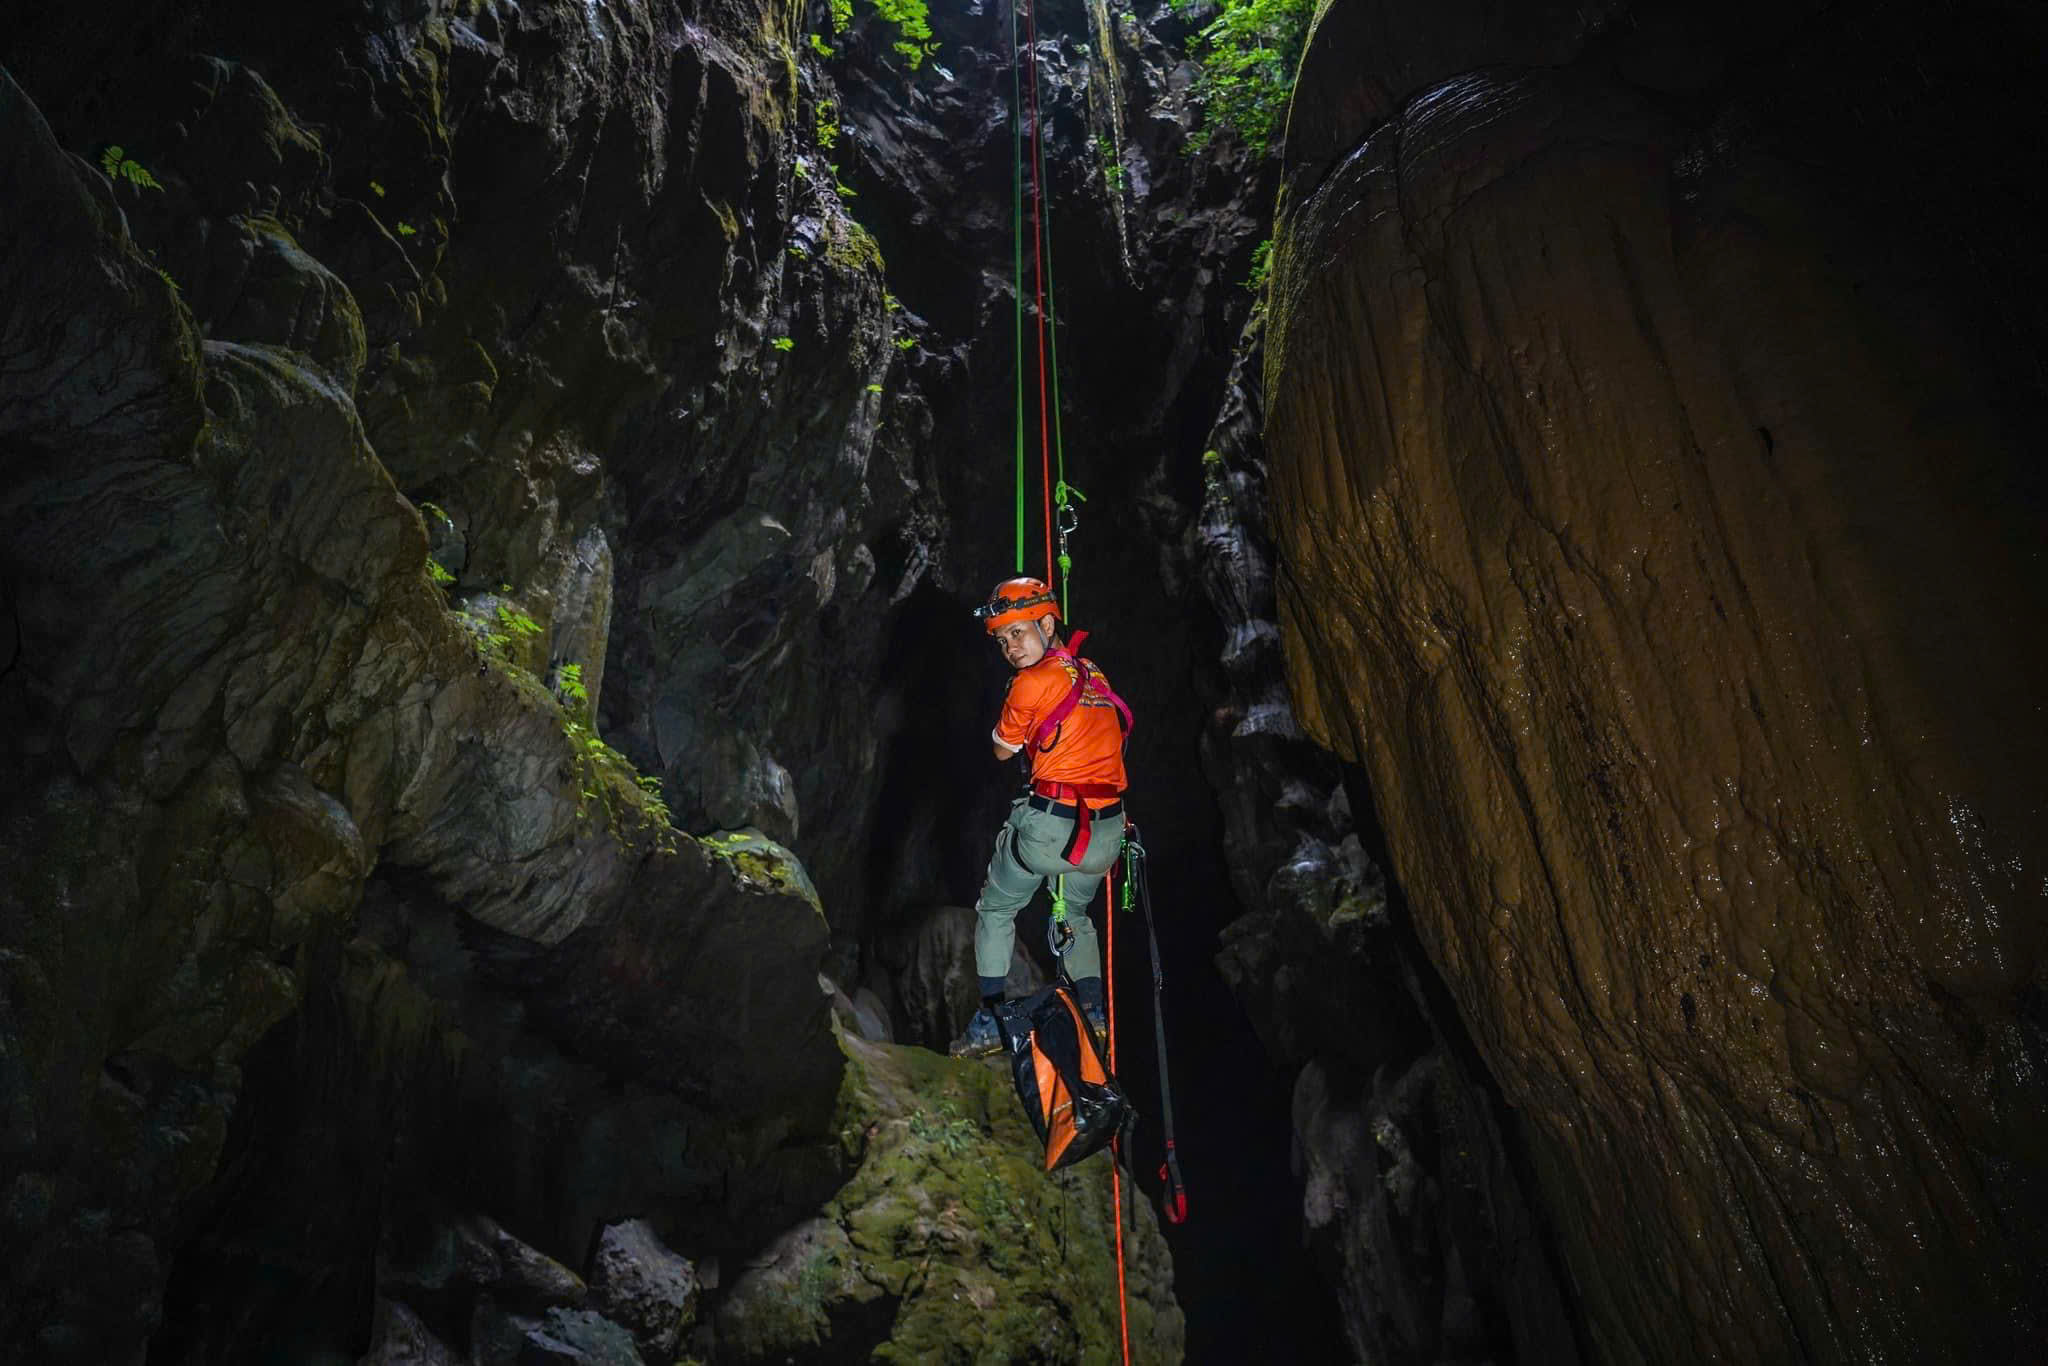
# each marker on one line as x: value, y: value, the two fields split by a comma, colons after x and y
x: 1086, y: 679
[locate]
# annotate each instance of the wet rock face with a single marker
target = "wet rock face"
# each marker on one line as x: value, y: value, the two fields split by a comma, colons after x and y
x: 236, y: 693
x: 1648, y: 479
x: 445, y: 396
x: 1409, y: 1191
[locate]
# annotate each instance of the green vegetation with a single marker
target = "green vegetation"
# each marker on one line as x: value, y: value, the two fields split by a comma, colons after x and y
x: 438, y: 572
x: 1262, y: 266
x: 120, y: 166
x: 949, y: 1131
x: 376, y: 189
x: 606, y: 778
x: 828, y: 122
x: 913, y: 24
x: 570, y: 688
x: 905, y: 343
x: 874, y: 388
x: 1248, y: 56
x: 783, y: 343
x: 516, y: 622
x: 406, y: 230
x: 850, y: 246
x: 913, y: 21
x: 1112, y: 166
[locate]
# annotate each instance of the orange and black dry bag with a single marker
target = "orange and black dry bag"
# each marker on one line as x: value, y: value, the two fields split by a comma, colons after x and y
x: 1073, y: 1102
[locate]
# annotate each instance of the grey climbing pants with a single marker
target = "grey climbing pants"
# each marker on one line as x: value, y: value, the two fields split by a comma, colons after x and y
x: 1027, y: 855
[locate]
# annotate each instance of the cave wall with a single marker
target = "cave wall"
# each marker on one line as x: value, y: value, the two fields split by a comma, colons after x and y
x: 1650, y: 416
x: 455, y: 501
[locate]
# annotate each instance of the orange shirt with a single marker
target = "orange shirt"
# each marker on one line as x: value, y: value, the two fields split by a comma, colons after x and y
x: 1088, y: 747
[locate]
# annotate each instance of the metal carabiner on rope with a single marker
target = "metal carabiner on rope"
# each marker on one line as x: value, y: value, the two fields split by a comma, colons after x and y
x: 1059, y: 935
x: 1066, y: 521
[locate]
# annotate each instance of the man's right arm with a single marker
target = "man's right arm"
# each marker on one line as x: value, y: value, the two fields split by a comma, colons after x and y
x: 1013, y: 727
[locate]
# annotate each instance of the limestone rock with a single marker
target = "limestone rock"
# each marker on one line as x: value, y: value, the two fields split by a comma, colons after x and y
x: 399, y: 1338
x: 561, y: 1337
x: 1658, y: 541
x: 636, y: 1281
x: 949, y: 1238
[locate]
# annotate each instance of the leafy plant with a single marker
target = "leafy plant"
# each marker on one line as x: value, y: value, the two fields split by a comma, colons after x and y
x: 1247, y: 55
x: 517, y: 622
x: 874, y: 388
x: 438, y: 572
x: 406, y: 230
x: 914, y: 27
x: 376, y: 189
x: 569, y: 684
x: 828, y: 119
x: 799, y: 253
x: 650, y: 788
x: 841, y: 14
x: 821, y: 47
x: 905, y: 343
x: 783, y: 343
x: 120, y: 166
x: 1262, y: 266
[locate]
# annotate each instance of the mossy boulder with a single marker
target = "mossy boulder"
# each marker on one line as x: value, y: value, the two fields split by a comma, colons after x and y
x: 949, y: 1243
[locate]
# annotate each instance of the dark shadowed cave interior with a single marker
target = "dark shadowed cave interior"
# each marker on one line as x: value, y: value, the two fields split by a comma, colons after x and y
x: 497, y: 742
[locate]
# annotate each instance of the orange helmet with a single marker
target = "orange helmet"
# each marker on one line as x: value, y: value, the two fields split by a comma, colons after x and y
x: 1018, y: 600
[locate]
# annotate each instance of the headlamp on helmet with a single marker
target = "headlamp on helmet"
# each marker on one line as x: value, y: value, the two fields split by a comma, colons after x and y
x: 1018, y: 600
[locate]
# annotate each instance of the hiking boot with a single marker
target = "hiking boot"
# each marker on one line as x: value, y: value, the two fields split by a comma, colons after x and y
x: 980, y: 1038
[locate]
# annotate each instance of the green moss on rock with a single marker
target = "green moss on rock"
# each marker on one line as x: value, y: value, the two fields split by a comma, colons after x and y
x: 949, y: 1243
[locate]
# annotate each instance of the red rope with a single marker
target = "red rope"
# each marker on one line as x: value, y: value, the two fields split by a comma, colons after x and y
x: 1116, y: 1176
x: 1038, y: 282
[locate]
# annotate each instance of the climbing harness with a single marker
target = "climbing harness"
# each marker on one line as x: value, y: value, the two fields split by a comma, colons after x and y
x: 1087, y: 682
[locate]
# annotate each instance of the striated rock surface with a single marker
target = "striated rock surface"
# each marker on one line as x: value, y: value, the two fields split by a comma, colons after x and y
x: 1412, y: 1195
x: 235, y: 692
x: 1649, y: 478
x: 462, y: 471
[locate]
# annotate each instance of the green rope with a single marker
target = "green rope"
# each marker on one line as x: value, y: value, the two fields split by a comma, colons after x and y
x: 1052, y: 318
x: 1017, y: 261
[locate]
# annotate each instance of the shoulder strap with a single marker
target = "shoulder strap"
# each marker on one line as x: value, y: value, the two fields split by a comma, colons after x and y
x: 1085, y: 678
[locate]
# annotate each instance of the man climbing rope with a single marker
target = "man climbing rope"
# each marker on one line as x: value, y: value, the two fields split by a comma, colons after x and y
x: 1068, y: 829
